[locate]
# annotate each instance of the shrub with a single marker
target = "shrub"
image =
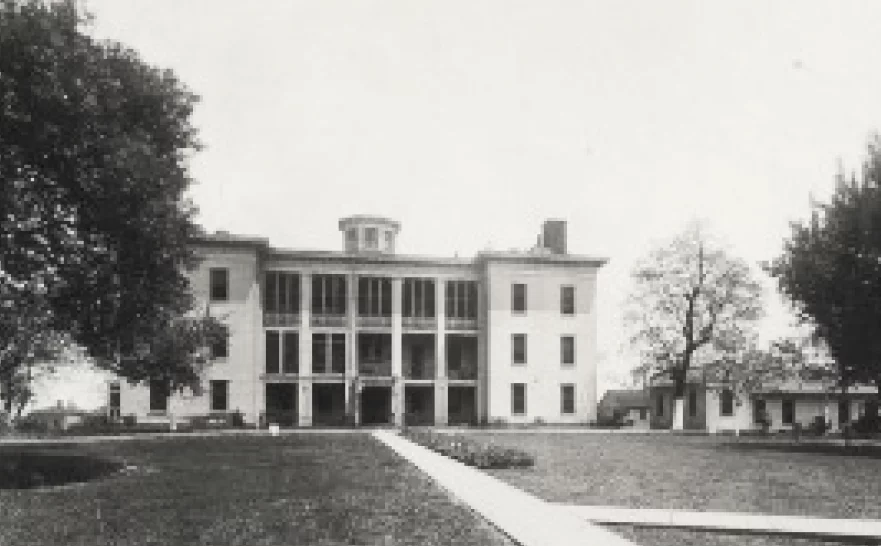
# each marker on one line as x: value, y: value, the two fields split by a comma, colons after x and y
x: 471, y: 452
x: 129, y: 420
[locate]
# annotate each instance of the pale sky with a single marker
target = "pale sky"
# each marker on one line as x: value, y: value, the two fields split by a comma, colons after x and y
x: 472, y: 121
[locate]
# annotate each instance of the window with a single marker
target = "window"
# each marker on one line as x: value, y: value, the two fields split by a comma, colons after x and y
x: 726, y: 403
x: 567, y: 350
x: 219, y: 282
x: 567, y: 399
x: 272, y: 352
x: 660, y: 406
x: 389, y: 240
x: 518, y: 298
x: 418, y: 298
x: 759, y: 411
x: 374, y: 297
x: 567, y: 300
x: 329, y: 295
x: 290, y: 353
x: 159, y: 391
x: 461, y: 299
x: 642, y: 414
x: 518, y: 341
x: 788, y: 411
x: 115, y: 403
x: 338, y: 353
x: 371, y: 238
x: 518, y: 398
x: 219, y: 395
x: 332, y: 347
x: 351, y: 239
x: 692, y: 403
x: 281, y: 293
x: 843, y: 412
x: 319, y: 353
x: 220, y: 348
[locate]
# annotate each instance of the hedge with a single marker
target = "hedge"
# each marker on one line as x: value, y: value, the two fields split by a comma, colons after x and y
x: 468, y: 451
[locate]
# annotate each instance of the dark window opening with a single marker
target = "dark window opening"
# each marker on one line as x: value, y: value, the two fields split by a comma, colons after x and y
x: 692, y: 403
x: 418, y: 298
x: 759, y: 411
x: 159, y: 393
x: 788, y: 411
x: 219, y: 395
x: 726, y: 403
x: 329, y: 295
x: 518, y: 298
x: 567, y: 300
x: 374, y: 297
x: 272, y: 352
x: 371, y: 237
x: 461, y: 299
x: 281, y: 293
x: 519, y: 348
x: 219, y: 283
x: 290, y: 352
x: 567, y: 399
x: 567, y: 350
x: 220, y: 348
x: 843, y: 412
x: 518, y: 398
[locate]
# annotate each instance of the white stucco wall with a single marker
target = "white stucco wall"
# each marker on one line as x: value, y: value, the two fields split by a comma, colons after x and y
x: 242, y: 315
x: 543, y: 325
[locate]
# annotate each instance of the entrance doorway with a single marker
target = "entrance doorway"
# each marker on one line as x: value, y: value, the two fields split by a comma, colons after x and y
x: 376, y: 405
x: 281, y: 404
x: 462, y: 405
x: 419, y: 405
x: 329, y: 404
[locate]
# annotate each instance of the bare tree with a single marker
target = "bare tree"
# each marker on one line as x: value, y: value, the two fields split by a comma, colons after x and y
x: 691, y: 303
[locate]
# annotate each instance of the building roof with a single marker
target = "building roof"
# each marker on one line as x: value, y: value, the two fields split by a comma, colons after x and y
x: 261, y: 244
x: 626, y: 398
x: 369, y: 219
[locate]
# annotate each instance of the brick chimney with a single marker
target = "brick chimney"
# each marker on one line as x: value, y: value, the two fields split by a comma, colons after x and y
x: 553, y: 234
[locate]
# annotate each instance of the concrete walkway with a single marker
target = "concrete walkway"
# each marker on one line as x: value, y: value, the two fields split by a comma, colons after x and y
x: 529, y: 521
x: 731, y: 522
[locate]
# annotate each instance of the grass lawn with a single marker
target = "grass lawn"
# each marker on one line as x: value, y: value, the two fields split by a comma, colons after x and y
x: 696, y: 473
x: 253, y: 490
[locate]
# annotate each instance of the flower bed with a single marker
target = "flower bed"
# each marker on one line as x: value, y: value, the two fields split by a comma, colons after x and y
x: 471, y: 452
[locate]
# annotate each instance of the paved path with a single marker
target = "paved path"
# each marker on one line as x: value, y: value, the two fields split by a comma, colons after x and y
x: 731, y: 521
x: 529, y: 521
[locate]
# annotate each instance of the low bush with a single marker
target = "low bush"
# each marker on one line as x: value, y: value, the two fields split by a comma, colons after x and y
x: 471, y: 452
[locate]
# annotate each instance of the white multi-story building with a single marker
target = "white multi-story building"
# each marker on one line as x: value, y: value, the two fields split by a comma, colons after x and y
x: 368, y: 336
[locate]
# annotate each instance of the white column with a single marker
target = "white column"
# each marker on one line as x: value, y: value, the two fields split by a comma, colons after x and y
x: 304, y: 396
x: 397, y: 365
x: 441, y: 409
x: 352, y: 386
x: 484, y: 377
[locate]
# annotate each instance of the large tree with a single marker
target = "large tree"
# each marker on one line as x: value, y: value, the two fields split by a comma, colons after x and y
x: 94, y: 222
x: 691, y: 304
x: 831, y: 269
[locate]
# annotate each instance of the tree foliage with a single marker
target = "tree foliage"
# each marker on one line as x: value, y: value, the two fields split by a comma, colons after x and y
x: 831, y: 268
x: 691, y: 304
x: 93, y: 214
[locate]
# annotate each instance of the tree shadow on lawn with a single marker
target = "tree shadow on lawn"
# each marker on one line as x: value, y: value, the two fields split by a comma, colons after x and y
x: 27, y: 467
